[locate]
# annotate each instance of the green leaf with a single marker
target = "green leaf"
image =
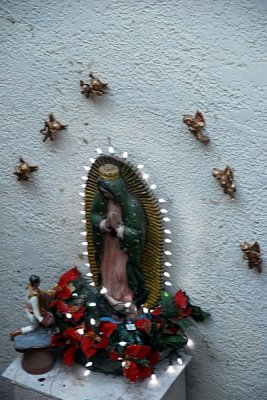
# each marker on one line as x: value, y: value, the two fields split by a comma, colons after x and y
x: 198, y: 314
x: 182, y: 323
x: 141, y: 361
x: 168, y: 306
x: 174, y: 341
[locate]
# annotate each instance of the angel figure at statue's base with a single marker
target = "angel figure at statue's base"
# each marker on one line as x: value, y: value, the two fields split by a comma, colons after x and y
x: 36, y: 308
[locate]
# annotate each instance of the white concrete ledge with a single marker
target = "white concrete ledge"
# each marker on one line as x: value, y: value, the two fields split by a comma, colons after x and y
x: 67, y: 383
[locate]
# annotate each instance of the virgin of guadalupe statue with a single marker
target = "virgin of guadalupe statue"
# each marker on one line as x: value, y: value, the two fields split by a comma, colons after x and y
x: 124, y: 232
x: 119, y: 228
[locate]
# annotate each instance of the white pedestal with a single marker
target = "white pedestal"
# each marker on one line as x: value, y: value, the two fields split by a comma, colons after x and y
x: 70, y: 384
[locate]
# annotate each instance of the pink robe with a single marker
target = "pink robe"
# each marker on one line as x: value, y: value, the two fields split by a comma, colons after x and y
x: 114, y: 260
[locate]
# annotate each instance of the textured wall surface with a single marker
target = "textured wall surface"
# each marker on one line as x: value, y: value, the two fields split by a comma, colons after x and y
x: 162, y: 59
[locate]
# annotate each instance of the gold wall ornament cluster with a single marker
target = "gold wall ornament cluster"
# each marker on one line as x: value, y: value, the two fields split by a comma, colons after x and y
x: 195, y: 126
x: 226, y: 180
x: 95, y: 87
x: 23, y: 171
x: 51, y: 128
x: 252, y: 254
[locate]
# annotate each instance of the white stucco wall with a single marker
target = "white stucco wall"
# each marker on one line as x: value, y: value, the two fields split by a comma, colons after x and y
x: 162, y: 59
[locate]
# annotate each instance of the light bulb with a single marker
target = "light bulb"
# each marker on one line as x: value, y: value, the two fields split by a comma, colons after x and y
x: 89, y: 274
x: 125, y: 154
x: 86, y: 373
x: 122, y: 343
x: 179, y: 360
x: 190, y: 343
x: 92, y: 160
x: 145, y: 176
x: 68, y: 315
x: 167, y: 231
x: 84, y: 178
x: 92, y: 304
x: 140, y: 166
x: 168, y: 253
x: 92, y: 321
x: 164, y: 211
x: 168, y: 264
x: 153, y: 377
x: 170, y: 368
x: 89, y: 364
x: 86, y: 168
x: 166, y: 274
x: 111, y: 149
x: 99, y: 151
x: 166, y: 219
x: 82, y: 212
x: 103, y: 290
x: 167, y: 283
x: 81, y: 194
x: 168, y: 241
x: 153, y: 186
x: 83, y: 233
x: 146, y: 310
x: 80, y: 331
x: 162, y: 201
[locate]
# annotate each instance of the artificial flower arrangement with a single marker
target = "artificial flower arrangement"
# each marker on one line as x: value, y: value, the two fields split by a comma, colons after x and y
x: 105, y: 344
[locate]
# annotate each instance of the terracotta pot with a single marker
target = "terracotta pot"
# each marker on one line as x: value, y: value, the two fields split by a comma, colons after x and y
x: 38, y: 361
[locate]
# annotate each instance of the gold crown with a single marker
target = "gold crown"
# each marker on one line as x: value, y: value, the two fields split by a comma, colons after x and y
x: 109, y: 172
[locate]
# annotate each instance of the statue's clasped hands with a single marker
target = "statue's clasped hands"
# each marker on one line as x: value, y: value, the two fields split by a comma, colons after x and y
x: 114, y: 224
x: 113, y: 220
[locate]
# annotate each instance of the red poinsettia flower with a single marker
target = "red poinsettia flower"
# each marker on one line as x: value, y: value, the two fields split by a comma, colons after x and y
x: 69, y: 338
x: 88, y: 346
x: 137, y: 351
x: 130, y: 371
x: 181, y: 301
x: 107, y: 328
x: 76, y: 311
x: 153, y: 358
x: 156, y: 312
x: 62, y: 292
x: 144, y: 325
x: 64, y: 288
x: 114, y: 355
x: 69, y: 354
x: 146, y: 371
x: 58, y: 340
x: 91, y: 342
x: 69, y: 276
x: 173, y: 329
